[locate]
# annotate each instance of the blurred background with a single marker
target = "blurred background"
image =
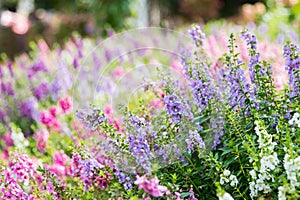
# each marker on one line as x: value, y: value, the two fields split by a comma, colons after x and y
x: 54, y: 21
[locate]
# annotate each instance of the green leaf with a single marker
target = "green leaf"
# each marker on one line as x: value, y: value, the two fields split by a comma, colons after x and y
x: 226, y: 151
x: 184, y: 194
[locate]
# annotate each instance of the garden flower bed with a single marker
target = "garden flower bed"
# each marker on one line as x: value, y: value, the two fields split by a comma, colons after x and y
x: 160, y: 117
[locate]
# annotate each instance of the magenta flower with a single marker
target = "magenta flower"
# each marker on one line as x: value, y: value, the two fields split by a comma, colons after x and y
x: 53, y: 111
x: 23, y: 167
x: 50, y: 121
x: 65, y: 104
x: 46, y: 118
x: 151, y: 186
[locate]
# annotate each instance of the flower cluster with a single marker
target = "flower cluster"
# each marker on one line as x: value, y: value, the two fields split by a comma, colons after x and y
x: 89, y: 172
x: 291, y: 55
x: 194, y: 140
x: 91, y: 119
x: 174, y: 106
x: 292, y: 167
x: 269, y: 160
x: 226, y: 177
x: 138, y: 144
x: 124, y: 179
x: 235, y: 75
x: 202, y: 92
x: 10, y: 188
x: 197, y: 35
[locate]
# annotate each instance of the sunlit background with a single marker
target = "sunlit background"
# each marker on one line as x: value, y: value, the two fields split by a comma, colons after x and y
x: 54, y: 21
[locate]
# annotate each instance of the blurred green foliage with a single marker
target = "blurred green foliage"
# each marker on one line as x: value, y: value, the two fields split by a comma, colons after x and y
x: 107, y: 14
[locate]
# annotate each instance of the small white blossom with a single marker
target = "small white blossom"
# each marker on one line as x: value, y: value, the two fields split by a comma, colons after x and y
x: 292, y: 168
x: 18, y: 137
x: 225, y: 196
x: 233, y: 180
x: 295, y: 120
x: 226, y: 172
x: 281, y: 193
x: 253, y: 174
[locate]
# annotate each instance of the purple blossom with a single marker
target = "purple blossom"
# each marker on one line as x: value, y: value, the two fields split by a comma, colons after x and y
x: 174, y: 107
x: 192, y: 195
x: 137, y: 122
x: 124, y: 179
x: 88, y: 171
x: 29, y: 108
x: 55, y: 87
x: 197, y: 35
x: 201, y: 93
x: 92, y: 119
x: 250, y: 39
x: 238, y: 87
x: 7, y: 88
x: 2, y: 116
x: 216, y: 124
x: 9, y: 66
x: 256, y: 69
x: 75, y: 63
x: 291, y: 55
x: 139, y: 147
x: 194, y: 140
x: 185, y: 55
x: 41, y: 91
x: 35, y: 68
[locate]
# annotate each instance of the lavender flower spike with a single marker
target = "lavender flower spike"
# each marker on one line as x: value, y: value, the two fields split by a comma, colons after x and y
x: 197, y: 35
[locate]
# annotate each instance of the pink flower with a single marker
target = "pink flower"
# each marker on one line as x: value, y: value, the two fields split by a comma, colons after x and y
x: 46, y: 118
x: 23, y: 167
x: 61, y: 158
x: 65, y: 104
x: 61, y: 164
x: 177, y: 196
x: 41, y: 138
x: 156, y: 103
x: 151, y: 186
x: 50, y: 121
x: 53, y: 111
x: 118, y: 72
x: 59, y: 170
x: 55, y: 124
x: 108, y: 109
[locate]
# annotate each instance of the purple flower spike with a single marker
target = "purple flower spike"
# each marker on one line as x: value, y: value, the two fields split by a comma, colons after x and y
x: 174, y: 107
x: 197, y: 35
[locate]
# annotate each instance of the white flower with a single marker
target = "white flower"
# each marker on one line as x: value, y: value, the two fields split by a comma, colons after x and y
x: 226, y: 196
x: 233, y: 180
x: 281, y: 193
x: 295, y: 120
x: 226, y: 172
x: 223, y: 180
